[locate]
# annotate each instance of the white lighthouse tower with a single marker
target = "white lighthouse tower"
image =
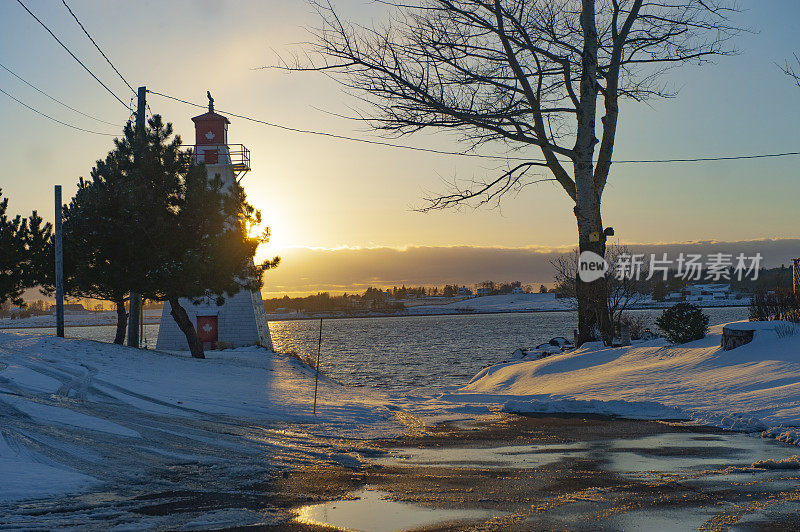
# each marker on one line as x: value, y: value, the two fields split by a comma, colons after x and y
x: 241, y: 320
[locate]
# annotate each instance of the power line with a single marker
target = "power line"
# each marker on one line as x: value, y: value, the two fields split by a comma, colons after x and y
x: 478, y: 155
x: 55, y: 119
x: 334, y: 135
x: 98, y: 47
x: 34, y: 87
x: 70, y: 53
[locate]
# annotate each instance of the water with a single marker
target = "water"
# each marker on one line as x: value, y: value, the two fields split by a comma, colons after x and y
x: 369, y: 509
x: 396, y: 353
x: 400, y: 352
x: 687, y: 480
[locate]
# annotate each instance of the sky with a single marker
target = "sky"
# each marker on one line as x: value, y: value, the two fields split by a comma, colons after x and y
x: 320, y: 195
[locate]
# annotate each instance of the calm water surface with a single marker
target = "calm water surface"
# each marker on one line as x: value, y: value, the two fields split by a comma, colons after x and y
x: 403, y: 352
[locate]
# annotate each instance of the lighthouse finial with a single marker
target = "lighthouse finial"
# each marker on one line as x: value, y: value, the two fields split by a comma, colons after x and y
x: 210, y: 102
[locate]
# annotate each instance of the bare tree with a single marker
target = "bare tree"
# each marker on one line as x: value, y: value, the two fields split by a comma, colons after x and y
x: 789, y: 69
x: 526, y: 74
x: 623, y: 292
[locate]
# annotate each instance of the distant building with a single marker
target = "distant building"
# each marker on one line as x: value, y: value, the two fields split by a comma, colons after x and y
x: 464, y: 291
x: 480, y: 292
x: 517, y: 290
x: 707, y: 292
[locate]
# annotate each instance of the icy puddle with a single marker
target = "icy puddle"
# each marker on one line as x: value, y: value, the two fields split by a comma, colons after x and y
x: 681, y: 452
x: 662, y: 453
x: 511, y: 456
x: 370, y: 510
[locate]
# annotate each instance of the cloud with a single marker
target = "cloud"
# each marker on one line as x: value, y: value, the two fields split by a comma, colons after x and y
x: 307, y: 270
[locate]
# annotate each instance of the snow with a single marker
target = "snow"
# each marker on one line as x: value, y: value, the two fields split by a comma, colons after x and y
x: 74, y: 319
x: 501, y: 303
x: 80, y: 415
x: 54, y: 414
x: 27, y: 474
x: 539, y: 302
x: 755, y: 387
x: 548, y: 302
x: 76, y: 413
x: 792, y: 462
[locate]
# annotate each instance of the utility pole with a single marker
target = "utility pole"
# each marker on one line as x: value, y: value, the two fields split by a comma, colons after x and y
x: 59, y: 267
x: 135, y: 306
x: 316, y: 378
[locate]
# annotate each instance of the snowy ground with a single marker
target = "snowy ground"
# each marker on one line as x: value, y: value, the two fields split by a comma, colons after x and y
x: 544, y: 302
x: 90, y: 430
x: 79, y: 415
x: 755, y: 387
x: 74, y: 319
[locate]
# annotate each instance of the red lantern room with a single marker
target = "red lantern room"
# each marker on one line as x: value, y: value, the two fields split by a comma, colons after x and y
x: 210, y: 129
x: 211, y: 142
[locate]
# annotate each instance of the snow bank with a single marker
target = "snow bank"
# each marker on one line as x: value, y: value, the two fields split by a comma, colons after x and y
x: 26, y: 474
x: 755, y: 387
x: 74, y: 412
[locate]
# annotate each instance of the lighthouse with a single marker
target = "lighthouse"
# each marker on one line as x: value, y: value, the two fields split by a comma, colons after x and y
x: 241, y: 321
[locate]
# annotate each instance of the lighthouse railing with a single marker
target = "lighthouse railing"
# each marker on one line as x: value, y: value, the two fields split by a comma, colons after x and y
x: 236, y: 155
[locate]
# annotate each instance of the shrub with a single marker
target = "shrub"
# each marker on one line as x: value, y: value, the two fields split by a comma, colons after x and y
x: 778, y: 304
x: 637, y: 325
x: 683, y: 323
x: 785, y: 330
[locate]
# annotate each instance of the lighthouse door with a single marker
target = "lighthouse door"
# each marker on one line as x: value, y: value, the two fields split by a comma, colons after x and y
x: 207, y: 330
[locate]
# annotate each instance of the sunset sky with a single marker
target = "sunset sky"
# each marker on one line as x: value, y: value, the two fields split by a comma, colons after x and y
x: 328, y: 194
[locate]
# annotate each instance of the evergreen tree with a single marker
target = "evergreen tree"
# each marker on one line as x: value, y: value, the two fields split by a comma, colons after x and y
x: 205, y: 248
x: 23, y: 251
x: 659, y: 290
x: 151, y: 221
x: 97, y: 253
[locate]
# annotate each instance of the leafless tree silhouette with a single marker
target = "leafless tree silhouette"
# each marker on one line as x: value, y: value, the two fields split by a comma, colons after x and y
x: 789, y: 69
x: 525, y: 74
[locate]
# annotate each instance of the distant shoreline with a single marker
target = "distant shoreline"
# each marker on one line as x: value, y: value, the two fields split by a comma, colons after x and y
x: 474, y: 313
x: 272, y: 317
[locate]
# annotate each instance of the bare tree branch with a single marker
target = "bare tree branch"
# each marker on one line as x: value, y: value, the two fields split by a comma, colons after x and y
x: 509, y: 71
x: 790, y: 71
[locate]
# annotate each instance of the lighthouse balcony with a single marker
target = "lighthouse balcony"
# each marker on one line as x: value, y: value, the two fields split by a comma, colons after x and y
x: 235, y: 155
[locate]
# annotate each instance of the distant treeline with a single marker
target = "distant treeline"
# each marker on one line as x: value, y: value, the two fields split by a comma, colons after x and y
x: 385, y: 300
x: 371, y: 300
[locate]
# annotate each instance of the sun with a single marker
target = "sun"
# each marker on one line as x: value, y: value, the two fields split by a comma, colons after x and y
x: 280, y: 237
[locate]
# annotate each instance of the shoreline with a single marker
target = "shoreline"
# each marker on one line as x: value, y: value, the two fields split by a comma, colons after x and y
x: 475, y: 313
x: 271, y: 317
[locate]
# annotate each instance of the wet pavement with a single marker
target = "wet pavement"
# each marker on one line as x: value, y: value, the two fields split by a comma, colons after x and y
x: 558, y: 473
x: 499, y: 472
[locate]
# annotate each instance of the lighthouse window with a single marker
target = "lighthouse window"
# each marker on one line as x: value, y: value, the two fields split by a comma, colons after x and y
x: 211, y: 156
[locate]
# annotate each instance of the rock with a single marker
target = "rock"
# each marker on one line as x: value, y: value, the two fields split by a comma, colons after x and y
x: 733, y: 338
x: 559, y: 341
x: 518, y: 354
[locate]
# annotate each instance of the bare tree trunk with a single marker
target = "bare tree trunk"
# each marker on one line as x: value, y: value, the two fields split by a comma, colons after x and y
x: 122, y: 322
x: 178, y: 313
x: 592, y: 297
x: 593, y: 311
